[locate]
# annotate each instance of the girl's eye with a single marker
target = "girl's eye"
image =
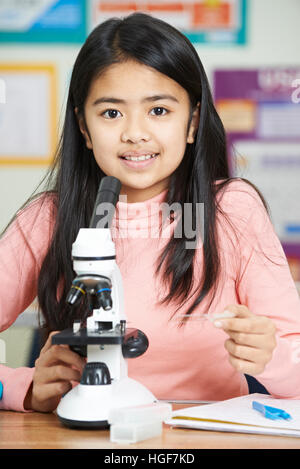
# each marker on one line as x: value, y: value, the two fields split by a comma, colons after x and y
x: 113, y: 113
x: 159, y: 111
x: 110, y: 113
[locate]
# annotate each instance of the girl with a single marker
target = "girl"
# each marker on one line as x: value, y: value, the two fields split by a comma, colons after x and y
x: 140, y: 109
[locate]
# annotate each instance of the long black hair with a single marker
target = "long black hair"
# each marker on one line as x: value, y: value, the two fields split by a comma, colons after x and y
x: 75, y: 175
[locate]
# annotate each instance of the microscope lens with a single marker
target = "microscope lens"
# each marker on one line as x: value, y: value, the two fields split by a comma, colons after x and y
x: 75, y: 294
x: 106, y: 300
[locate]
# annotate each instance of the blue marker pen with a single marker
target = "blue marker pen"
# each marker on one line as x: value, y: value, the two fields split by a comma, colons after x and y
x: 1, y: 390
x: 271, y: 412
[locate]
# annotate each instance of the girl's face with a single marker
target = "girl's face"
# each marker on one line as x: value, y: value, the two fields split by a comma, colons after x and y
x: 135, y: 111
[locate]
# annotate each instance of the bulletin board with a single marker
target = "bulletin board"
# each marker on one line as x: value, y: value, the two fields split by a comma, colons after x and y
x: 56, y: 21
x: 202, y: 21
x: 28, y: 114
x: 260, y: 110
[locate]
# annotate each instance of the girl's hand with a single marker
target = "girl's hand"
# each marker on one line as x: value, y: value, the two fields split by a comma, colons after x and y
x: 55, y: 368
x: 252, y: 339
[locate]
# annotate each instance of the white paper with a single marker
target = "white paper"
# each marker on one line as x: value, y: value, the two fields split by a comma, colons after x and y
x: 25, y: 117
x: 237, y: 415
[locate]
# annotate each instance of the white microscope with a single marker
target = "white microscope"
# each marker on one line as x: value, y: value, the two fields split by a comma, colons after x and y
x: 105, y: 340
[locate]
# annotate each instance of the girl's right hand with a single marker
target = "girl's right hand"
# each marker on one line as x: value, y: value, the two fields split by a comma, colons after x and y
x: 55, y: 368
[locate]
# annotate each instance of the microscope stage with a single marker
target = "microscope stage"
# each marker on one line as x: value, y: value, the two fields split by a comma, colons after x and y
x: 85, y: 337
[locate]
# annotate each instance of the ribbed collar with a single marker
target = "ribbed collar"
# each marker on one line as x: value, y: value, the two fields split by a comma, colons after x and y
x: 137, y: 218
x: 128, y: 211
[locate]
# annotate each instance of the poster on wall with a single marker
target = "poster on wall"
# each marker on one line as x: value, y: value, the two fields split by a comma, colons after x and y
x: 42, y: 21
x: 260, y: 110
x: 28, y: 114
x: 202, y: 21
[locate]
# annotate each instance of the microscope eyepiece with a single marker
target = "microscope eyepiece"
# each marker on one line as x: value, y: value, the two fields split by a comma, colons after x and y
x: 106, y: 200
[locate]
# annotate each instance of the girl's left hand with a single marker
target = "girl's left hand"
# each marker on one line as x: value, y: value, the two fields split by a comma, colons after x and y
x: 252, y: 339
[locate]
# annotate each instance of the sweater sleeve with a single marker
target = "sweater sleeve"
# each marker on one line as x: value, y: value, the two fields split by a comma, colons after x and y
x: 265, y: 285
x: 22, y: 250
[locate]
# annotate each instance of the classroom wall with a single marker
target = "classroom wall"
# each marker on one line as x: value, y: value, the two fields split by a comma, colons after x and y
x: 273, y: 40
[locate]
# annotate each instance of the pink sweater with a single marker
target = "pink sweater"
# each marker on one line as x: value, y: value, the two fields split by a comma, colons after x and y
x: 180, y: 363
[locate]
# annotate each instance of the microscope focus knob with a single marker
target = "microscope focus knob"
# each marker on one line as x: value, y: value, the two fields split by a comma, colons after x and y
x: 95, y: 373
x: 135, y: 343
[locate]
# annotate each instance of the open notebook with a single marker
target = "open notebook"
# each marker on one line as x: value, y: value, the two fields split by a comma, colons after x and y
x: 237, y: 415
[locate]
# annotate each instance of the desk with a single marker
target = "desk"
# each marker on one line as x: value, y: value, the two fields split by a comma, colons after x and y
x: 44, y: 431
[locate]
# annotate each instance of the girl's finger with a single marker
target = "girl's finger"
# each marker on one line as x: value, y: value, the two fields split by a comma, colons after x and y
x: 61, y: 354
x: 240, y: 311
x: 252, y: 325
x: 259, y: 341
x: 244, y: 352
x: 50, y: 390
x: 62, y: 373
x: 246, y: 367
x: 64, y: 354
x: 48, y: 342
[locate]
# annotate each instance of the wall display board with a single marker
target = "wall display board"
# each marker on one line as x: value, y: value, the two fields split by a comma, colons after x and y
x: 28, y: 114
x: 42, y: 21
x: 260, y: 109
x: 203, y: 21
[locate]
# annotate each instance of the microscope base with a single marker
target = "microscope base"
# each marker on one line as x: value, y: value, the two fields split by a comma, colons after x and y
x: 89, y: 406
x: 97, y: 425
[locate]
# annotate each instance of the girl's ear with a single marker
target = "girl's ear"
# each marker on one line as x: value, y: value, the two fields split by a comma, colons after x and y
x: 83, y: 129
x: 194, y: 124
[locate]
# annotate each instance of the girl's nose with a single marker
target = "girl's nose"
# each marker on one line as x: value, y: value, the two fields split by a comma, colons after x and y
x: 134, y: 133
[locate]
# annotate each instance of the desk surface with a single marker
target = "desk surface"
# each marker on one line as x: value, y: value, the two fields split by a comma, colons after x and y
x: 44, y: 431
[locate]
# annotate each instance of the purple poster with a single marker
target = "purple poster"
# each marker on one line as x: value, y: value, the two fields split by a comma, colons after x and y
x: 260, y: 109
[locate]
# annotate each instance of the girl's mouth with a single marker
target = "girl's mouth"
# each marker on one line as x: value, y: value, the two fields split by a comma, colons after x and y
x: 140, y: 162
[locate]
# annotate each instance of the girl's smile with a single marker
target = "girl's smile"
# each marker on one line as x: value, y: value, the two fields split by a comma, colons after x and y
x: 139, y: 160
x: 136, y: 122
